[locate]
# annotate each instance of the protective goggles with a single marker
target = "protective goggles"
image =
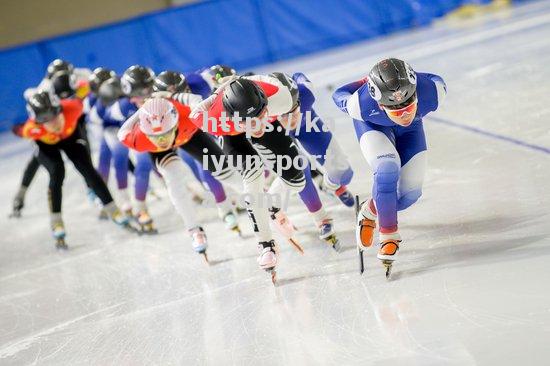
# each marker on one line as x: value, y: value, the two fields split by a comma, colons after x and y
x: 401, y: 112
x: 163, y: 139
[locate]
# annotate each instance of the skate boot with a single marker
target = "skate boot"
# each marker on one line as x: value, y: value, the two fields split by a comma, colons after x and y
x: 145, y: 223
x: 103, y: 215
x: 327, y: 233
x: 118, y: 217
x: 389, y: 247
x: 199, y: 242
x: 345, y: 196
x: 268, y: 258
x: 366, y: 223
x: 231, y: 223
x: 283, y: 225
x: 58, y: 233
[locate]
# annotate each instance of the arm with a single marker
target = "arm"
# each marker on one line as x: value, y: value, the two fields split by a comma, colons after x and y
x: 125, y: 133
x: 440, y: 87
x: 188, y: 99
x: 346, y: 98
x: 280, y: 100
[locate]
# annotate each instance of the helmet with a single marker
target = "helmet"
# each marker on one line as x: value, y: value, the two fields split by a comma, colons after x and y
x: 58, y: 65
x: 64, y: 84
x: 157, y: 117
x: 245, y: 97
x: 43, y: 106
x: 221, y: 71
x: 392, y: 83
x: 171, y: 81
x: 110, y: 91
x: 137, y: 81
x: 97, y: 77
x: 289, y: 82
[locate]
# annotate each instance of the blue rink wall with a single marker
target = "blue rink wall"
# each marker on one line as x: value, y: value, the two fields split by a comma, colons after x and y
x: 241, y: 33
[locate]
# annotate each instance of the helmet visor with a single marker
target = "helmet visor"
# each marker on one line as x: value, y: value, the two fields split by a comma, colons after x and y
x: 163, y: 140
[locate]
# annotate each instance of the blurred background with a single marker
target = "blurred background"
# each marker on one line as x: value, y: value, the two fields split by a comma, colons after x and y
x: 186, y: 35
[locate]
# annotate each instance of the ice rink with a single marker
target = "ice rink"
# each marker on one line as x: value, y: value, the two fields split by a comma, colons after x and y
x: 471, y: 285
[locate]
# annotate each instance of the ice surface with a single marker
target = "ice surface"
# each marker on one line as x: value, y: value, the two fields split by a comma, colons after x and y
x: 471, y: 285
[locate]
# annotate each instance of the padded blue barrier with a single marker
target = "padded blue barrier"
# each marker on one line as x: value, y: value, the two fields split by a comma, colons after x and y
x: 241, y: 33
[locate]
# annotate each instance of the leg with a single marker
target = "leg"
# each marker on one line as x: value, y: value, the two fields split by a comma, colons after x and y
x: 142, y: 173
x: 79, y: 154
x: 382, y: 156
x: 173, y: 172
x: 241, y: 154
x: 411, y: 145
x: 282, y: 156
x: 104, y: 163
x: 411, y: 180
x: 323, y: 146
x: 50, y: 157
x: 28, y: 175
x: 204, y: 149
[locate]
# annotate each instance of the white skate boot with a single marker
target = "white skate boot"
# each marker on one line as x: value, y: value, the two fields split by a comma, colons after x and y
x: 268, y: 258
x: 199, y: 243
x: 389, y: 247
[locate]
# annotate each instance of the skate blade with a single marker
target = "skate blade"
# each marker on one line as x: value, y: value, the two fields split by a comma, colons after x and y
x: 148, y: 230
x: 237, y: 230
x: 361, y: 261
x: 333, y: 241
x: 60, y: 244
x: 273, y: 273
x: 14, y: 215
x: 388, y: 265
x: 296, y: 246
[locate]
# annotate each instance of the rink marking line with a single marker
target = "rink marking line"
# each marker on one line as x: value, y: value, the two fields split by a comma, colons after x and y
x: 11, y: 349
x: 425, y: 49
x: 490, y: 134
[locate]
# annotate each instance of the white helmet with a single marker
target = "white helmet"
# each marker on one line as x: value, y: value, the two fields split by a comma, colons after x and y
x: 158, y: 116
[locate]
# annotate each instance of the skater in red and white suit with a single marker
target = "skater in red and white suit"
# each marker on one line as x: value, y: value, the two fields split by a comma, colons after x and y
x: 263, y: 103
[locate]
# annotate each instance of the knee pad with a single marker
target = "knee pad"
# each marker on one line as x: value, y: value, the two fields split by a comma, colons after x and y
x: 386, y: 177
x: 408, y: 199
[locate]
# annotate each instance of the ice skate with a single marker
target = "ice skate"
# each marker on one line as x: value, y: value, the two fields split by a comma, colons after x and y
x: 283, y: 225
x: 365, y: 225
x: 268, y: 258
x: 103, y: 215
x: 199, y: 242
x: 345, y: 196
x: 118, y: 217
x: 389, y: 247
x: 18, y: 204
x: 145, y: 223
x: 58, y: 233
x: 340, y: 191
x: 327, y: 233
x: 231, y: 222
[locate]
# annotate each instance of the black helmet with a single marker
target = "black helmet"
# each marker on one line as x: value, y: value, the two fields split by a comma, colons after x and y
x: 43, y: 107
x: 171, y: 81
x: 97, y: 77
x: 58, y: 65
x: 289, y: 82
x: 110, y: 91
x: 245, y: 97
x: 137, y: 81
x: 64, y: 84
x: 220, y: 71
x: 392, y: 82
